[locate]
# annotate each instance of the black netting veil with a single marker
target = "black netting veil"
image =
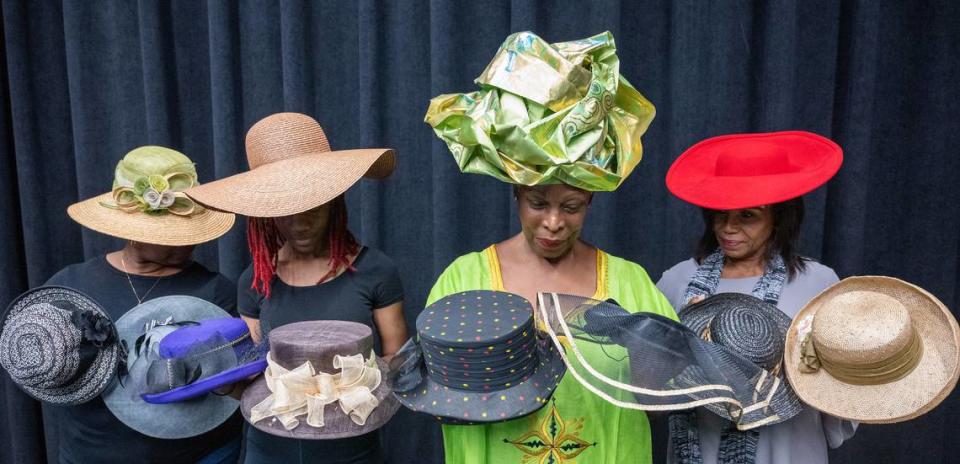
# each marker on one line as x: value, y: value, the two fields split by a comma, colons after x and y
x: 649, y: 362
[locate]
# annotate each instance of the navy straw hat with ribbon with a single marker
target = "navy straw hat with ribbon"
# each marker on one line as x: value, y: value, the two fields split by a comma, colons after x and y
x: 751, y: 328
x: 479, y: 359
x: 59, y: 345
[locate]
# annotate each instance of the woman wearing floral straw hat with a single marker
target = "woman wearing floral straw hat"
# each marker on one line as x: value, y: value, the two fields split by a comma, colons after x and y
x: 567, y: 124
x: 749, y: 188
x: 307, y: 266
x: 146, y: 207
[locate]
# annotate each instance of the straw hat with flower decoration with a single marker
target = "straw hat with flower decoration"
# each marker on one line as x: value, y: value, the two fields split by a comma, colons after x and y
x: 147, y: 203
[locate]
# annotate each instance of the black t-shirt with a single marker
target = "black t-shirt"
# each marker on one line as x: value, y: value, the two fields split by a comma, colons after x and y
x: 351, y: 296
x: 89, y: 432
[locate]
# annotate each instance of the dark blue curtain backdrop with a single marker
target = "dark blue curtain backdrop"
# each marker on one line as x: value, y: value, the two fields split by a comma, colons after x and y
x: 83, y: 82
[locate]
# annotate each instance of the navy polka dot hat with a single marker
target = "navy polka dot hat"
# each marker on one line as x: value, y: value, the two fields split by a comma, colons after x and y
x: 479, y: 359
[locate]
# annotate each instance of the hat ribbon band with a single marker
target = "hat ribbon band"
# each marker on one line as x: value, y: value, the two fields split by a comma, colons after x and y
x: 176, y: 203
x: 304, y: 391
x: 880, y: 372
x: 155, y: 198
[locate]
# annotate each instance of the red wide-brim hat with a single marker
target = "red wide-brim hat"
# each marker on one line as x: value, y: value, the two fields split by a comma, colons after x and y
x: 746, y: 170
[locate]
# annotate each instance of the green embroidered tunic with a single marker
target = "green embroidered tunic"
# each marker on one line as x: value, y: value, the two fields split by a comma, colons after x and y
x: 576, y: 425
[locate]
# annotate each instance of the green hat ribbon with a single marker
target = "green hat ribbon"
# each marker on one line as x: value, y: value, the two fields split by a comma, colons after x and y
x: 547, y: 113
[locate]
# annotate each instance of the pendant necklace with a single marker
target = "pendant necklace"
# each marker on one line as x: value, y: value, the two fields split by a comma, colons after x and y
x: 130, y: 281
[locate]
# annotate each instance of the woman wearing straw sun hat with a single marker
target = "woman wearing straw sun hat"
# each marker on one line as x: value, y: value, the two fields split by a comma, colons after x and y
x: 749, y: 188
x: 307, y: 266
x: 559, y: 122
x: 147, y: 208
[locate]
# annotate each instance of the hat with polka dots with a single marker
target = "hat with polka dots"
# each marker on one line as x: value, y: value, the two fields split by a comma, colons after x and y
x: 479, y: 359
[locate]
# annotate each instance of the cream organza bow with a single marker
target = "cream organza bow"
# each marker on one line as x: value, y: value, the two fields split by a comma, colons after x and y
x: 304, y: 391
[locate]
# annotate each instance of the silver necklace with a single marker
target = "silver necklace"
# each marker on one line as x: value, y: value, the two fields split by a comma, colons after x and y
x: 130, y: 281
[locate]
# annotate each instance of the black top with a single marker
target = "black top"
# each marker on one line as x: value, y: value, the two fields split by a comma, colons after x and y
x: 351, y: 296
x: 89, y: 432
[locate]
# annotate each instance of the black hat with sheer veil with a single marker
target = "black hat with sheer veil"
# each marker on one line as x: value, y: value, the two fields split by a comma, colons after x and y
x: 641, y: 360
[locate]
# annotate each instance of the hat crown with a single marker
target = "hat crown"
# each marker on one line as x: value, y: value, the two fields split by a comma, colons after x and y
x: 862, y: 327
x: 743, y: 324
x: 284, y: 135
x: 318, y: 342
x: 44, y: 344
x: 754, y: 158
x: 750, y: 333
x: 479, y: 340
x: 152, y: 160
x: 227, y: 330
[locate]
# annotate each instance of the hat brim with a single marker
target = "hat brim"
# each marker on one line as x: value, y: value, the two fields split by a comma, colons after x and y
x: 207, y: 385
x: 174, y: 420
x: 917, y: 393
x: 455, y: 406
x: 103, y: 368
x: 294, y: 185
x: 692, y: 176
x: 698, y: 315
x: 336, y: 423
x: 165, y: 229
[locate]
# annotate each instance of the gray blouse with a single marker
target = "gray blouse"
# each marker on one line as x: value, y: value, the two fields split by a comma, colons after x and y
x: 801, y: 440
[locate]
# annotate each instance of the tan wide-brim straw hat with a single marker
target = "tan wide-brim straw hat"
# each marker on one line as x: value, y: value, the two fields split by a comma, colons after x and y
x: 157, y: 229
x: 871, y: 319
x: 292, y: 170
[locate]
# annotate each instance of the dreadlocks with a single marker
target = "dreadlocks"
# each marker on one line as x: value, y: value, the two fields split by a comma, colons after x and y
x: 265, y: 241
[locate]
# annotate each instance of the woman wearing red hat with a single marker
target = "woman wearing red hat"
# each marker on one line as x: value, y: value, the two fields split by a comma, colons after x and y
x: 750, y: 187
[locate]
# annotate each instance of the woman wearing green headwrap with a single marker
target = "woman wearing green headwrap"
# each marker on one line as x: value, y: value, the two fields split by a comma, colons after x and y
x: 160, y: 225
x: 559, y: 123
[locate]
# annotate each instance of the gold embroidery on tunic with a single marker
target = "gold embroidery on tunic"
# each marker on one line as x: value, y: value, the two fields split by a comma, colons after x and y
x: 554, y: 441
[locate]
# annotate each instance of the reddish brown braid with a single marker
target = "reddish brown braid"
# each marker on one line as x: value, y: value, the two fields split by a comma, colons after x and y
x: 265, y: 241
x: 342, y: 243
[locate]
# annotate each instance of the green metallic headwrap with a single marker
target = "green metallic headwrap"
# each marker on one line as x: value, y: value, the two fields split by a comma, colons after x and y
x: 547, y: 114
x: 151, y: 180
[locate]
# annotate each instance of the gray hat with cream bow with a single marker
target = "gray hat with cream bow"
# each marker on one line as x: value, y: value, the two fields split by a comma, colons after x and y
x: 323, y: 381
x: 58, y: 345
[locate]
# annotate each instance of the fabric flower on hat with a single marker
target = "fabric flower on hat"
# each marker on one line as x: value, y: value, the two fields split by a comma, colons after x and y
x: 94, y: 327
x: 151, y: 180
x: 546, y: 114
x: 809, y: 362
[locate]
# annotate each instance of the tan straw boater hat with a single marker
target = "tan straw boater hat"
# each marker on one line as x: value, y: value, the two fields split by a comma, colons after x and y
x: 873, y: 349
x: 292, y: 170
x: 147, y: 203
